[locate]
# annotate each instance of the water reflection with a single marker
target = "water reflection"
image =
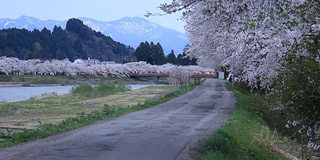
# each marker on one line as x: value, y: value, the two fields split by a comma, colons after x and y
x: 13, y: 94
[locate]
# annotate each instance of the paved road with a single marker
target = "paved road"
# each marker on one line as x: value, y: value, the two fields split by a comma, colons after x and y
x: 169, y: 131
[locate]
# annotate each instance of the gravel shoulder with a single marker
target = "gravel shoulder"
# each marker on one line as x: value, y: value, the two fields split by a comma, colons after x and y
x: 167, y: 131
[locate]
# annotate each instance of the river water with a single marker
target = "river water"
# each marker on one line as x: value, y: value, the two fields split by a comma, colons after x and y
x: 12, y: 94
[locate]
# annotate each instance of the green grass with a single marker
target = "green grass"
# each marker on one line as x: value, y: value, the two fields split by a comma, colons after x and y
x: 245, y: 136
x: 89, y: 91
x: 45, y: 130
x: 54, y: 108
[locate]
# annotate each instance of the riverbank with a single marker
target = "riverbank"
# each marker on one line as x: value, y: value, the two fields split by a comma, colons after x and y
x: 54, y: 108
x: 39, y: 80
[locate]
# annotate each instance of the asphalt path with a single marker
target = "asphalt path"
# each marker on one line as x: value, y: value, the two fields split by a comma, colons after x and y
x: 169, y: 131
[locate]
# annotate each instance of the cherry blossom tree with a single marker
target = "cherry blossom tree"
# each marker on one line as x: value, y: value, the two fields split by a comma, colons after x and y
x: 251, y: 38
x: 179, y: 76
x: 64, y: 67
x: 7, y: 65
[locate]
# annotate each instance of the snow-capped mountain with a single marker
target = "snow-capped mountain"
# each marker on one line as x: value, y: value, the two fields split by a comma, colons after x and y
x: 30, y: 23
x: 130, y: 30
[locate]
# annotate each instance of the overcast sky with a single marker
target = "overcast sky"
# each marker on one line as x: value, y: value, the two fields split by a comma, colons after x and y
x: 102, y: 10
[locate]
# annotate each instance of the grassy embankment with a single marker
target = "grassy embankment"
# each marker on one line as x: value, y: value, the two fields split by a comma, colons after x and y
x: 34, y: 80
x: 52, y: 115
x: 245, y: 136
x: 26, y: 80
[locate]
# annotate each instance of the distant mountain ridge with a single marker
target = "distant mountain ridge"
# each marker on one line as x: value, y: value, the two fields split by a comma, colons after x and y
x: 129, y: 30
x: 30, y: 23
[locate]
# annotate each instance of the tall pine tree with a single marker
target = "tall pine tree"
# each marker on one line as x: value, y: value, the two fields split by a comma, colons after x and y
x: 150, y: 53
x: 171, y: 58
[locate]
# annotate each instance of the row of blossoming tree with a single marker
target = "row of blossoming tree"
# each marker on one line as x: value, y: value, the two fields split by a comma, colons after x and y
x: 15, y: 66
x: 271, y: 45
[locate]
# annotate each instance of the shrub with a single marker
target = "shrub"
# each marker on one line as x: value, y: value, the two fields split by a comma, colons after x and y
x: 297, y: 92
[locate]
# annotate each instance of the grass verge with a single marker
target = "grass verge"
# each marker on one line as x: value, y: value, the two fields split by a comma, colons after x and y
x: 105, y: 89
x: 245, y: 136
x: 108, y: 111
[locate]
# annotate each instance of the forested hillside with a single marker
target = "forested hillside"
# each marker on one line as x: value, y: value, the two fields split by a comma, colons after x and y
x: 76, y: 41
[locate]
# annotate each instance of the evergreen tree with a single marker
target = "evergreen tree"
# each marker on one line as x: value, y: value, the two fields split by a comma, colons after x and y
x: 37, y: 51
x: 150, y: 53
x: 158, y: 56
x: 171, y: 58
x: 184, y: 60
x: 77, y: 26
x: 77, y: 41
x: 143, y: 52
x: 57, y: 30
x: 46, y: 42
